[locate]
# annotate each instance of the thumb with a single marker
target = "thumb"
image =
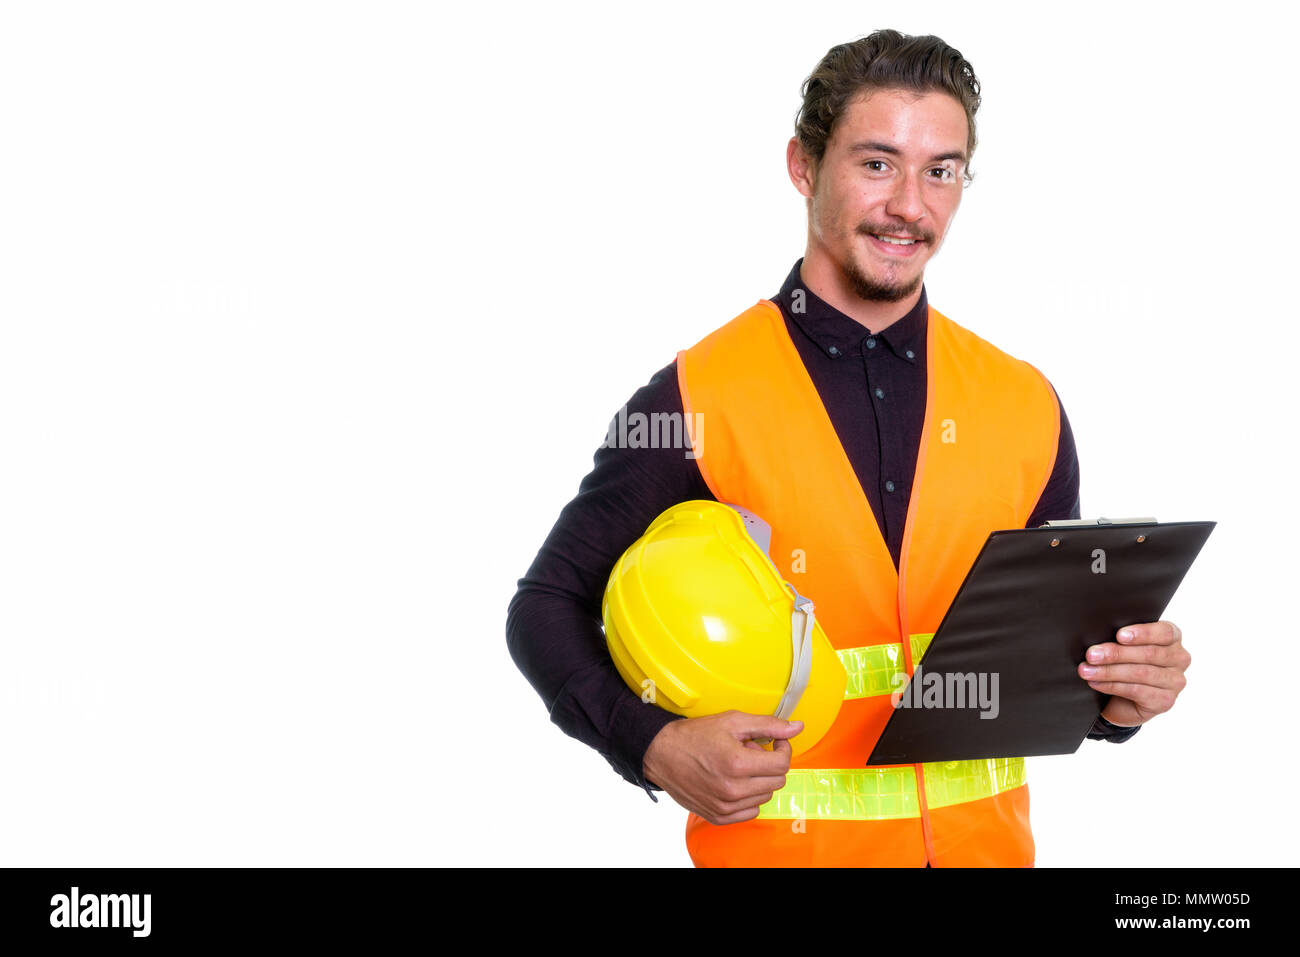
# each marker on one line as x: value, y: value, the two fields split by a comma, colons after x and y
x: 764, y: 726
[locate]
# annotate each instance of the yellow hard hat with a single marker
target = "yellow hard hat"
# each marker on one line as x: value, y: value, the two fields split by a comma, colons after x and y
x: 699, y: 621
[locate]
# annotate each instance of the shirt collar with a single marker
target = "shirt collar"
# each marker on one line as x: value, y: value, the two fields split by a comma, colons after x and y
x: 839, y: 335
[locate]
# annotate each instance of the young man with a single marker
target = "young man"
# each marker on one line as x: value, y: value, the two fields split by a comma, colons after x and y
x: 881, y: 442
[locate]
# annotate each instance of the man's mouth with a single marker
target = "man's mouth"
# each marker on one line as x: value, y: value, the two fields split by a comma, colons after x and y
x: 892, y: 244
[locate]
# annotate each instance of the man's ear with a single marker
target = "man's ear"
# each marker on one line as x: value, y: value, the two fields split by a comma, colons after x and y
x: 801, y: 167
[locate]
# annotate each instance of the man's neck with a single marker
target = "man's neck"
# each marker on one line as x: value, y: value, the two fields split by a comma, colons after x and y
x: 825, y: 281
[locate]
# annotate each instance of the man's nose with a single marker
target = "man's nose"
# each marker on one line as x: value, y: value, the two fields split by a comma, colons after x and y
x: 905, y: 202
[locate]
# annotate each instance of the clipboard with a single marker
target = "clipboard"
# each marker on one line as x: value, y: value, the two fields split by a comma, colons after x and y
x: 1033, y: 602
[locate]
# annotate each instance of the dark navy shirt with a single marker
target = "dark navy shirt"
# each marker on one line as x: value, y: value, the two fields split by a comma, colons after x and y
x: 873, y: 386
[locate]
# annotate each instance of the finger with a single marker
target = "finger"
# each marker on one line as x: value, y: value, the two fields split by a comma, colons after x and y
x: 737, y: 818
x: 761, y: 726
x: 782, y: 746
x: 743, y: 792
x: 770, y: 785
x: 1144, y: 697
x: 1169, y: 656
x: 758, y: 764
x: 1149, y: 633
x: 1136, y: 674
x: 733, y: 800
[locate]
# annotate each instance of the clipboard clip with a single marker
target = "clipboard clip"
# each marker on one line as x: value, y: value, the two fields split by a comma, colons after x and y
x: 1069, y: 522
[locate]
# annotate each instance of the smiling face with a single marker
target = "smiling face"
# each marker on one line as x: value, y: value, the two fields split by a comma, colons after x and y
x: 883, y: 195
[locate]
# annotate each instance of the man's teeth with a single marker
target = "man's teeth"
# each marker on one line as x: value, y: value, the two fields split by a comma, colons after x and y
x: 896, y: 242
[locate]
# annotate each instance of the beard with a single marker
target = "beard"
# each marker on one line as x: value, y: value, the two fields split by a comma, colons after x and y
x: 871, y: 290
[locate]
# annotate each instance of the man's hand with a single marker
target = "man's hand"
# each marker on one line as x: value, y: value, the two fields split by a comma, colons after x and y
x: 714, y: 767
x: 1142, y: 669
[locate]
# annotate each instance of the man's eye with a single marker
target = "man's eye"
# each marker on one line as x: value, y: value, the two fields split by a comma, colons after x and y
x: 875, y: 166
x: 943, y: 174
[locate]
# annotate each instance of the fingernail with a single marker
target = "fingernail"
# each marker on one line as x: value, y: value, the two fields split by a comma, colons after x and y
x: 1126, y: 635
x: 1088, y: 670
x: 1094, y: 654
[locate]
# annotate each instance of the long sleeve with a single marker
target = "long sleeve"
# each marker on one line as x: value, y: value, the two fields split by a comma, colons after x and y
x: 553, y: 625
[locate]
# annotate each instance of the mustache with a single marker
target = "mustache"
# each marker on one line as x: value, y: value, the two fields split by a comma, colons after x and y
x: 902, y: 232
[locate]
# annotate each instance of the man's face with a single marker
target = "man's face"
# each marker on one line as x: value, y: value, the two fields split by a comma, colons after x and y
x: 887, y: 188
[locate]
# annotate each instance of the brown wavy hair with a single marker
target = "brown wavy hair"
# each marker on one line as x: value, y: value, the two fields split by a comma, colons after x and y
x: 885, y: 59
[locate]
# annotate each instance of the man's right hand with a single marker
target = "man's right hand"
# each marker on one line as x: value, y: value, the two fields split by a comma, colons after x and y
x: 714, y: 767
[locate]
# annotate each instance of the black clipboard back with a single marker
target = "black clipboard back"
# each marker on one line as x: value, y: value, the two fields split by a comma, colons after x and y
x: 1032, y: 603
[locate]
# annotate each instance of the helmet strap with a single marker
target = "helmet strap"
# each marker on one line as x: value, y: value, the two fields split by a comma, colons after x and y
x: 801, y: 639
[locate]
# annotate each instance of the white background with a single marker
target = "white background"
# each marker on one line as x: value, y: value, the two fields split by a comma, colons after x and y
x: 313, y: 315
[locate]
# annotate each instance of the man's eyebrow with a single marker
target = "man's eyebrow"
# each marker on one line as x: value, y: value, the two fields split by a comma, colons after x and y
x: 872, y: 146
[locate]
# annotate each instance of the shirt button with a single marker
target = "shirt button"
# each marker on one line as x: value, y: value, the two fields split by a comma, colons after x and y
x: 871, y: 343
x: 880, y: 393
x: 911, y: 354
x: 833, y: 351
x: 889, y: 486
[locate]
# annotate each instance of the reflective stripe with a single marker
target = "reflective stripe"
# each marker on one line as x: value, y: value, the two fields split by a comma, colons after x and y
x: 880, y: 794
x: 878, y: 669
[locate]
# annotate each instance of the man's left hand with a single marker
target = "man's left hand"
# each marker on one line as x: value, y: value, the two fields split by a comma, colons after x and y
x: 1142, y: 670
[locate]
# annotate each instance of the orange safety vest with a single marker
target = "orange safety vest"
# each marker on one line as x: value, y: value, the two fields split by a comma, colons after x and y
x: 986, y: 453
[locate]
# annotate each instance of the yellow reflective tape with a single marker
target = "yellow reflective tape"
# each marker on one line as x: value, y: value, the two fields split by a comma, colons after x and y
x: 845, y: 794
x: 956, y: 782
x: 882, y: 794
x: 871, y: 671
x: 878, y: 669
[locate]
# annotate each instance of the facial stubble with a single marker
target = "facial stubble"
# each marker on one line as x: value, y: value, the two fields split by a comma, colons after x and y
x: 869, y: 290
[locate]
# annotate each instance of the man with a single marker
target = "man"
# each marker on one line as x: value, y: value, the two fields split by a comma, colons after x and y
x: 882, y: 442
